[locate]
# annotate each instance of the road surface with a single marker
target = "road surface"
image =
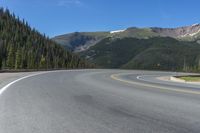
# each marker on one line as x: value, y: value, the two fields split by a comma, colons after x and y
x: 99, y: 101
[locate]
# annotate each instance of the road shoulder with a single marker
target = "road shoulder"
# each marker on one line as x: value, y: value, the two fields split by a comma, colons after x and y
x: 6, y: 78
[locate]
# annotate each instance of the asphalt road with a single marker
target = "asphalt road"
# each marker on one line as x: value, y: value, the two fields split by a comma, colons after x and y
x: 96, y: 101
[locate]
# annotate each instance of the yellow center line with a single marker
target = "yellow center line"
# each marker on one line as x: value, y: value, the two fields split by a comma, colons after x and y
x: 116, y: 77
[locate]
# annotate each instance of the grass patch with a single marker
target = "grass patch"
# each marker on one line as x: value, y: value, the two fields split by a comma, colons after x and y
x: 191, y: 78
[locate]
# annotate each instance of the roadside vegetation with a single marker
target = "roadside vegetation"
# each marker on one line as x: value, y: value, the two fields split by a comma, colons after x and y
x: 191, y: 78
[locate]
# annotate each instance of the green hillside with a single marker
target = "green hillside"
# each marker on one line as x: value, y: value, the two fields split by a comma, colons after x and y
x: 24, y: 48
x: 113, y: 54
x: 161, y: 53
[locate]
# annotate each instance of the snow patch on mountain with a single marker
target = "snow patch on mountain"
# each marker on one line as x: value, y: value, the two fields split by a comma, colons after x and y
x: 116, y: 31
x: 195, y: 24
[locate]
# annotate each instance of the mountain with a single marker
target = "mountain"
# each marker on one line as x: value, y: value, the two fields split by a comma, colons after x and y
x: 139, y: 48
x: 22, y: 47
x: 159, y: 53
x: 80, y: 41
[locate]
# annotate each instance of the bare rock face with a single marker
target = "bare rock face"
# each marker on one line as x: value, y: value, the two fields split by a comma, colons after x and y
x: 178, y: 32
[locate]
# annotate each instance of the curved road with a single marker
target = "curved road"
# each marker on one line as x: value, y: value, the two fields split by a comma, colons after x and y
x: 100, y: 101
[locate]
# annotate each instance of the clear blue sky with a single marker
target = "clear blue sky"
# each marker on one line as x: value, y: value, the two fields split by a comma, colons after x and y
x: 54, y: 17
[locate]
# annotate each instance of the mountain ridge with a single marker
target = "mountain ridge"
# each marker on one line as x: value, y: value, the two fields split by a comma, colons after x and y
x: 81, y: 41
x: 140, y: 48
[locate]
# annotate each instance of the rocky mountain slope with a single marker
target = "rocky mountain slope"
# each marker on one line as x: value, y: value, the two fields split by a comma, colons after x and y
x: 183, y: 33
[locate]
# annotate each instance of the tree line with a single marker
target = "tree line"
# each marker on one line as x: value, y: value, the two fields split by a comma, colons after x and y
x: 22, y: 47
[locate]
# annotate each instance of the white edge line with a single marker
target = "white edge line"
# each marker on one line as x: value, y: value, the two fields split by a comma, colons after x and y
x: 2, y: 90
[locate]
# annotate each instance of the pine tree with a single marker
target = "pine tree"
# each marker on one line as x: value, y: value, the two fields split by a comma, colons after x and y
x: 42, y: 62
x: 18, y: 61
x: 1, y: 62
x: 11, y: 58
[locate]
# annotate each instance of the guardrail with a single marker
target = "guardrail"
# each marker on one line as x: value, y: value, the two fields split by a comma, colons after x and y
x: 28, y: 70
